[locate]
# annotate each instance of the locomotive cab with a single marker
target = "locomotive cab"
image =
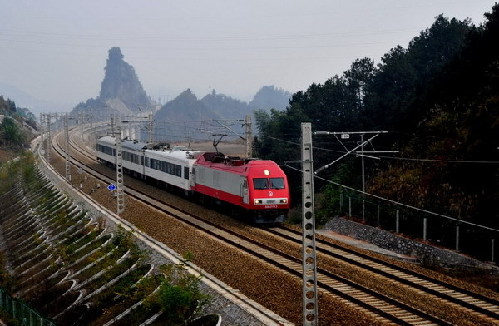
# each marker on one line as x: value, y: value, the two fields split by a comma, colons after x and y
x: 269, y: 194
x: 259, y: 189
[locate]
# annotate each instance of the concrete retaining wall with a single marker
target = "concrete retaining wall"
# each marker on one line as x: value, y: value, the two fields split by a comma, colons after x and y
x: 424, y: 253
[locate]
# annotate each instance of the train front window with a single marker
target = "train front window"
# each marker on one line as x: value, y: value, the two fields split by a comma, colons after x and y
x: 260, y: 183
x: 276, y: 183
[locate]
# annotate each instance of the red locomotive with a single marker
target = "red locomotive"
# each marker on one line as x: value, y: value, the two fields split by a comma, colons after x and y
x: 259, y: 188
x: 254, y: 188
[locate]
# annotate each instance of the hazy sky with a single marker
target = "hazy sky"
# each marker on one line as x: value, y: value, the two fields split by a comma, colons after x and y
x: 56, y: 50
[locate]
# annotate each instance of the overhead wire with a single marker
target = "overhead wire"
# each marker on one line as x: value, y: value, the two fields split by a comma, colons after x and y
x: 178, y: 129
x: 398, y: 203
x: 436, y: 161
x: 394, y: 157
x: 386, y: 199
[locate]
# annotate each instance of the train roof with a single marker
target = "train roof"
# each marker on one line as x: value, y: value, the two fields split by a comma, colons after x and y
x: 174, y: 152
x: 133, y: 145
x: 158, y: 150
x: 125, y: 143
x: 238, y: 165
x: 106, y: 139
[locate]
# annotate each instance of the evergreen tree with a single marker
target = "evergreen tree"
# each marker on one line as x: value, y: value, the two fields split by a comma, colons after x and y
x: 12, y: 133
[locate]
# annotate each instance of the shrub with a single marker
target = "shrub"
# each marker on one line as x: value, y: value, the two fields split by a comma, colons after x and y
x: 179, y: 295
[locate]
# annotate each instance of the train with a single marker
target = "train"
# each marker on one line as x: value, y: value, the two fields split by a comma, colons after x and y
x: 255, y: 190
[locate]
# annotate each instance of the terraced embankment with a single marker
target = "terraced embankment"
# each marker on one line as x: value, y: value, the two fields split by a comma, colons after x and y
x: 64, y: 263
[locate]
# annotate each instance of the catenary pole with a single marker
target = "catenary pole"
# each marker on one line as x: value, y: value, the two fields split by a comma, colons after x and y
x: 120, y: 191
x: 248, y: 135
x: 310, y: 304
x: 66, y: 151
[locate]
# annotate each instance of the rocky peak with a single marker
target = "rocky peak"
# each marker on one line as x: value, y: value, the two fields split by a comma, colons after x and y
x: 121, y: 82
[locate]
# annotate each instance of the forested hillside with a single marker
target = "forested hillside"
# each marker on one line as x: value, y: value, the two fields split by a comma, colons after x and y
x: 16, y: 128
x: 438, y: 98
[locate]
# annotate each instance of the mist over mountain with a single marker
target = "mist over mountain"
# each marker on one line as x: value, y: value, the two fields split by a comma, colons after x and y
x: 181, y: 117
x: 225, y: 106
x: 185, y: 107
x: 219, y: 106
x: 186, y: 116
x: 122, y: 93
x: 270, y: 97
x: 35, y: 105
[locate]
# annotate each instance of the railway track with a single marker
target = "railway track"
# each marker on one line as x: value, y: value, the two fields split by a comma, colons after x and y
x: 476, y: 303
x: 372, y: 302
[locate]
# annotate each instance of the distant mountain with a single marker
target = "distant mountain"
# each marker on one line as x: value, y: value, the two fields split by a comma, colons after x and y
x: 270, y: 97
x: 121, y: 82
x: 181, y: 118
x: 226, y: 107
x: 185, y: 107
x: 188, y: 117
x: 121, y: 91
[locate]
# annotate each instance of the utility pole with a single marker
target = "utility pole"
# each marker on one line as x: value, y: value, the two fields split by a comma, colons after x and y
x: 120, y: 193
x: 224, y: 124
x: 42, y: 129
x: 112, y: 124
x: 81, y: 125
x: 248, y: 135
x: 48, y: 139
x: 135, y: 120
x: 66, y: 134
x: 149, y: 128
x: 346, y: 135
x: 91, y: 118
x: 310, y: 302
x: 363, y: 178
x: 120, y: 187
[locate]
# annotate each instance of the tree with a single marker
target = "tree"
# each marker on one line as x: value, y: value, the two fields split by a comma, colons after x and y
x: 405, y: 76
x: 12, y: 133
x: 390, y: 96
x: 358, y: 77
x: 457, y: 127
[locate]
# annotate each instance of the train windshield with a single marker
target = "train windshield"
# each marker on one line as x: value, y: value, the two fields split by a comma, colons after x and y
x: 276, y: 183
x: 264, y: 183
x: 260, y: 183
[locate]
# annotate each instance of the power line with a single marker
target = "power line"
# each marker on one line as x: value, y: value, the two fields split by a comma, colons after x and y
x: 437, y: 161
x: 397, y: 203
x: 346, y: 154
x: 394, y: 157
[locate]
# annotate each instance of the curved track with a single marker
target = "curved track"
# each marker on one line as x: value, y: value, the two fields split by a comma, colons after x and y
x: 370, y: 300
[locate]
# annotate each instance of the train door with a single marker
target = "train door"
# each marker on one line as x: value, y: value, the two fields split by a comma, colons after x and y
x: 245, y: 192
x: 143, y: 163
x: 193, y: 177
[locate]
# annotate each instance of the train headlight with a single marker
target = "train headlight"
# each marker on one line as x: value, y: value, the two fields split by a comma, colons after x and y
x: 258, y: 201
x: 283, y: 201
